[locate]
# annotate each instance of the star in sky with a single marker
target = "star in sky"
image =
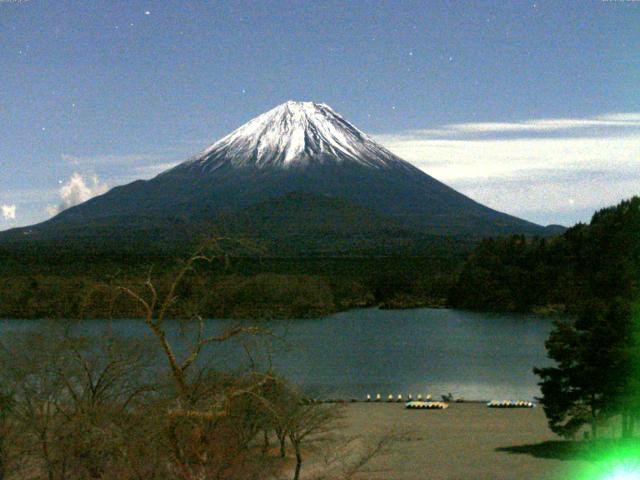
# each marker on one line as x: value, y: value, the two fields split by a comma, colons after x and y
x: 374, y: 46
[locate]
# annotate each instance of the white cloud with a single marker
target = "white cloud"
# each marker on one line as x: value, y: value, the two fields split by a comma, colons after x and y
x: 609, y: 121
x: 76, y: 191
x: 125, y: 168
x: 148, y: 171
x: 533, y: 177
x: 462, y: 158
x: 109, y: 159
x: 8, y: 212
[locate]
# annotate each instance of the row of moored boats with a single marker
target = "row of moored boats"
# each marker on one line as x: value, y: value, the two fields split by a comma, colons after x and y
x: 427, y: 403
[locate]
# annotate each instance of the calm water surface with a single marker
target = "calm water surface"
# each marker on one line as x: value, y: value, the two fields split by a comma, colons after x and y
x: 351, y: 354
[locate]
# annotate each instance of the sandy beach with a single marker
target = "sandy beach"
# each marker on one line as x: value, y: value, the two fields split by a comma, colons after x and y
x: 466, y: 441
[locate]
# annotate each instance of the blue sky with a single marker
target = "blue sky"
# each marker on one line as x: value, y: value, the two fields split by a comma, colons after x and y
x: 531, y: 107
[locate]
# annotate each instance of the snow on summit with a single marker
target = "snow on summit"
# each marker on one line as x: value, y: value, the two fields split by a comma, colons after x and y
x: 295, y: 134
x: 296, y: 148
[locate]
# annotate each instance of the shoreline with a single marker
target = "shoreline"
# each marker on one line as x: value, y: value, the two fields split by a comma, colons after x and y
x: 382, y: 306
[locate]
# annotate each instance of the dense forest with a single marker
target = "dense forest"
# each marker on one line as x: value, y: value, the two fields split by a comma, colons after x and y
x: 43, y: 284
x: 600, y: 259
x: 595, y: 377
x: 509, y: 274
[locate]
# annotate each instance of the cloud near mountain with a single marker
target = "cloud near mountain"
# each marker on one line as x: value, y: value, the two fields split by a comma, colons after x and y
x: 548, y: 170
x: 8, y: 212
x: 77, y: 190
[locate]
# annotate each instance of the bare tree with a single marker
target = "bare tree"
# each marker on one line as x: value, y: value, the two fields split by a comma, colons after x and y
x: 352, y: 457
x: 6, y: 407
x: 307, y: 420
x: 81, y: 407
x: 156, y: 309
x: 72, y: 400
x: 205, y: 402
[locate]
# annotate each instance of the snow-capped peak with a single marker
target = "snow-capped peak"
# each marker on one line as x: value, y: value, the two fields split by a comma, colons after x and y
x: 295, y: 134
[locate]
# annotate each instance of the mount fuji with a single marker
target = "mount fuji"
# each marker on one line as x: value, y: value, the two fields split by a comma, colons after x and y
x: 298, y: 169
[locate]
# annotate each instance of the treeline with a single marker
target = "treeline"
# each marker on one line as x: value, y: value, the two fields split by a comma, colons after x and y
x: 508, y: 274
x: 241, y: 287
x: 596, y: 351
x: 558, y: 274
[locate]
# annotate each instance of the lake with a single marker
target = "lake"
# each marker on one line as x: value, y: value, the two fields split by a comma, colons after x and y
x: 476, y: 356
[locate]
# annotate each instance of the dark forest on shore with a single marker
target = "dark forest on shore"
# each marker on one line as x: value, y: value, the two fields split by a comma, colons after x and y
x: 508, y: 274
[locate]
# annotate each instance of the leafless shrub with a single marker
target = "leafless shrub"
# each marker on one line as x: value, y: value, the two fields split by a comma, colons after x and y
x: 81, y: 407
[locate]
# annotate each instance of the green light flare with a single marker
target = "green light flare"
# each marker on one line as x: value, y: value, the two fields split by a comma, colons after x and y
x: 626, y: 471
x: 620, y: 462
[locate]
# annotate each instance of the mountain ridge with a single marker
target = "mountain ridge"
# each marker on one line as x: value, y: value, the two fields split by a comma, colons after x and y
x: 301, y: 147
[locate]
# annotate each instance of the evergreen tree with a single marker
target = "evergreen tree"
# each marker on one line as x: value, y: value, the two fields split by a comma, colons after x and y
x: 597, y: 354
